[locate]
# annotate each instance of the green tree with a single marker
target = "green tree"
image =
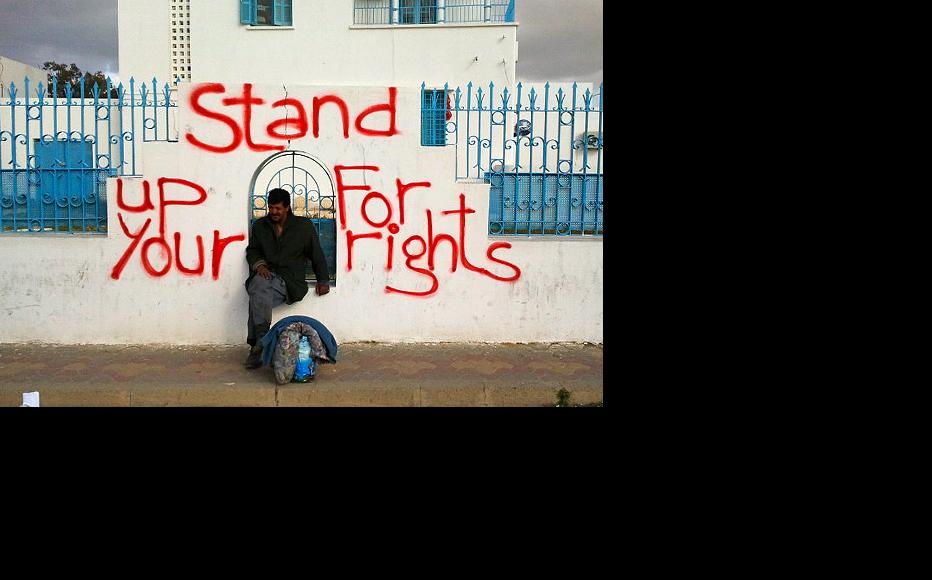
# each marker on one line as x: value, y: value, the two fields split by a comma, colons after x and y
x: 72, y: 75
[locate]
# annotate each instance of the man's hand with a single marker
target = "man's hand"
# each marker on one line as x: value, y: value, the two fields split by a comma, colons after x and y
x: 323, y: 289
x: 264, y: 271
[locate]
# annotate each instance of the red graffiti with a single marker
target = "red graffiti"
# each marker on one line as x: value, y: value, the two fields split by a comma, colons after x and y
x: 375, y: 202
x: 242, y: 131
x: 166, y: 253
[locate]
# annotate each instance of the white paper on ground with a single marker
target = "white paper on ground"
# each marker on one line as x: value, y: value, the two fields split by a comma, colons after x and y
x: 31, y: 399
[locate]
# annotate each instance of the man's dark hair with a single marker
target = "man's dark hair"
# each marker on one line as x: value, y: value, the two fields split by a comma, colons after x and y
x: 279, y: 196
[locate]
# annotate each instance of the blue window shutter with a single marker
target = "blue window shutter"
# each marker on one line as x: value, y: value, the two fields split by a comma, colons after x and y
x: 281, y: 12
x: 247, y: 11
x: 433, y: 118
x: 440, y: 118
x: 510, y: 13
x: 424, y: 117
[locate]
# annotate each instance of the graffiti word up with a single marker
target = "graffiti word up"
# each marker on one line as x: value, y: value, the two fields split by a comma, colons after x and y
x: 161, y: 241
x: 424, y: 247
x: 297, y: 127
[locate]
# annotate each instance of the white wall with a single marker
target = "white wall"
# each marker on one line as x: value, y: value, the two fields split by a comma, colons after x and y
x: 144, y: 36
x: 323, y: 47
x: 61, y: 288
x: 13, y: 71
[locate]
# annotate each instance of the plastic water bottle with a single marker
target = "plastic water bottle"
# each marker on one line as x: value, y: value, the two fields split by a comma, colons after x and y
x: 302, y: 370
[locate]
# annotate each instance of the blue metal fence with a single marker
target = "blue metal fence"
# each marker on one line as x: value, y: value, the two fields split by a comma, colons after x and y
x: 540, y: 150
x: 57, y: 153
x: 432, y: 11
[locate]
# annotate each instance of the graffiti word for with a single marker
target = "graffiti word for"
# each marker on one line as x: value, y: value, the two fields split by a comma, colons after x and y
x: 170, y: 254
x: 414, y: 247
x: 284, y: 129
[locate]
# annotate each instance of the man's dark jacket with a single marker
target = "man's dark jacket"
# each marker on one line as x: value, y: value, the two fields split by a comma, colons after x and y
x: 287, y: 254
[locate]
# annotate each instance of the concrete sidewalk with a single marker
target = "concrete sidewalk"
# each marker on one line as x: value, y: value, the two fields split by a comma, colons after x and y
x: 367, y: 374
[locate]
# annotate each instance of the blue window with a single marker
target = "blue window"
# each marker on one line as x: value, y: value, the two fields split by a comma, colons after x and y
x: 265, y: 12
x: 435, y: 112
x: 417, y: 11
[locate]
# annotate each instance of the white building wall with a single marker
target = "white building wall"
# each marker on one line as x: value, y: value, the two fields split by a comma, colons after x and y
x: 13, y: 71
x: 62, y: 289
x: 322, y: 47
x: 144, y: 37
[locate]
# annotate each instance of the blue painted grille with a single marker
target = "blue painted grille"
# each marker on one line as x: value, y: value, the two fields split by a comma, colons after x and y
x: 64, y: 200
x: 538, y: 204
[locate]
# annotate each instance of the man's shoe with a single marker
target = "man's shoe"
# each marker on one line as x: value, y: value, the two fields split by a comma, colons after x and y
x: 254, y: 360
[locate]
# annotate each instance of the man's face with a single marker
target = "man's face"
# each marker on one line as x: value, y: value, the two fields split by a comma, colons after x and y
x: 278, y: 212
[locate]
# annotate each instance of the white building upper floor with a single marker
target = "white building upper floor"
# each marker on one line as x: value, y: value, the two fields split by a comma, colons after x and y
x: 319, y: 42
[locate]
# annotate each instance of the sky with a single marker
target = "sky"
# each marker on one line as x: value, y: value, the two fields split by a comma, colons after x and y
x: 559, y: 40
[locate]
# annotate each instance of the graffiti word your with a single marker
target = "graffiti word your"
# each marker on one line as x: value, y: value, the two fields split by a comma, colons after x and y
x: 170, y: 254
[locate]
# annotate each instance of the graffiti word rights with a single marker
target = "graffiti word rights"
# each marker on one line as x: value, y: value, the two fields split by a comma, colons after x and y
x: 413, y: 247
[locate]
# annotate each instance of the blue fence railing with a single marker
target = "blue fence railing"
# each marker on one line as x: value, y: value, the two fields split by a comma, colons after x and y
x: 540, y: 149
x: 432, y: 11
x: 56, y: 152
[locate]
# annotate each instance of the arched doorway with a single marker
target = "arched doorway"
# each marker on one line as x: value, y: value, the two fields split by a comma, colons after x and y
x: 313, y: 195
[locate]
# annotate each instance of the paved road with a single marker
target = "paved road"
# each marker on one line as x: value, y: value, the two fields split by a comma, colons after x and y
x: 367, y: 374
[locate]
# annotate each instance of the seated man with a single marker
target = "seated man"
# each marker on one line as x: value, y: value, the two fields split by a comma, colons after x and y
x: 279, y: 245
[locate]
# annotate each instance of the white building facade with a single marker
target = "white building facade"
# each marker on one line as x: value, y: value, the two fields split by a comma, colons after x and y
x: 127, y: 222
x: 322, y: 42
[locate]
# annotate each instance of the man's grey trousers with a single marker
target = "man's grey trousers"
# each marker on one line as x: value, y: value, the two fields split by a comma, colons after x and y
x: 264, y: 295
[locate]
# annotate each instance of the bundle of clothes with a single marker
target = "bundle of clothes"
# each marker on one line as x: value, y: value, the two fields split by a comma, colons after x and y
x: 280, y: 346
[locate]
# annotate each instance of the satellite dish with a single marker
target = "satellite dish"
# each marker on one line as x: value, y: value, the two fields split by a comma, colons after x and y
x: 522, y: 128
